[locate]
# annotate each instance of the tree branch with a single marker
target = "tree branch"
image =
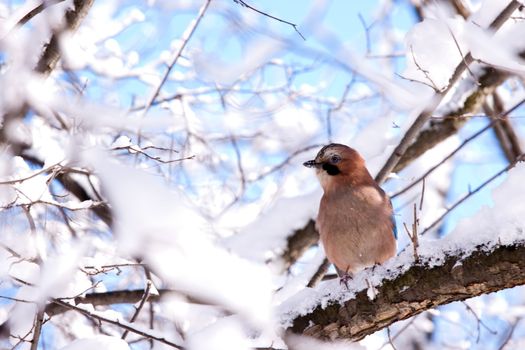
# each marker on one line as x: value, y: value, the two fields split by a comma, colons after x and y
x: 440, y: 130
x: 118, y: 323
x: 120, y: 297
x: 46, y: 63
x: 74, y: 187
x: 299, y: 242
x: 418, y: 289
x: 51, y: 53
x: 425, y: 115
x: 505, y: 133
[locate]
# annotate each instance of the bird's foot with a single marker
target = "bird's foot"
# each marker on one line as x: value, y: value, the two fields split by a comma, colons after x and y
x: 373, y: 268
x: 344, y: 278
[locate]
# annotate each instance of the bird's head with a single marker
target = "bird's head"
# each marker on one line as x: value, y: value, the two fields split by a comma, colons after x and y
x: 339, y: 164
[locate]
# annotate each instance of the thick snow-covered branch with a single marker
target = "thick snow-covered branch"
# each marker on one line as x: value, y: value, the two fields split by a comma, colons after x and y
x: 418, y: 289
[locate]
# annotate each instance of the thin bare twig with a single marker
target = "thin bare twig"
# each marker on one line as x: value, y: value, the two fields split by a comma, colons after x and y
x: 22, y: 179
x: 422, y: 195
x: 390, y: 340
x: 284, y: 162
x: 416, y: 81
x: 132, y: 149
x: 413, y: 235
x: 104, y: 268
x: 462, y: 56
x: 18, y: 300
x: 404, y: 328
x: 45, y: 4
x: 477, y: 189
x: 293, y: 25
x: 37, y: 329
x: 319, y: 274
x: 479, y: 322
x: 117, y: 323
x: 143, y: 300
x: 504, y: 131
x: 240, y: 169
x: 424, y: 71
x: 367, y: 33
x: 94, y: 204
x: 10, y: 250
x: 185, y: 39
x: 508, y: 337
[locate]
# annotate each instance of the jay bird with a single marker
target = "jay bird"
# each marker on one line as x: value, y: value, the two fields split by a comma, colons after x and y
x: 355, y: 219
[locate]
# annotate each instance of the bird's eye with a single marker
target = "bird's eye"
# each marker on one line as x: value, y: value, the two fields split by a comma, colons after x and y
x: 335, y: 159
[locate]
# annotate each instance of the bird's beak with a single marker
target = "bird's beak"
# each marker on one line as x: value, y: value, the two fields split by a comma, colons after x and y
x: 312, y: 164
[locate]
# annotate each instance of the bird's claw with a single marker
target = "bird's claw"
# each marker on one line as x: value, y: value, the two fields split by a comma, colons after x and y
x: 344, y: 279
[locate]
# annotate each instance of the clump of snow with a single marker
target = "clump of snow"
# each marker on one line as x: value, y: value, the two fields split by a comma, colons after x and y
x: 300, y: 123
x: 433, y: 61
x: 497, y: 49
x: 22, y: 315
x: 302, y: 342
x: 485, y: 230
x: 371, y: 292
x: 99, y: 342
x: 487, y: 12
x: 121, y: 142
x: 24, y: 270
x: 224, y: 334
x: 271, y: 229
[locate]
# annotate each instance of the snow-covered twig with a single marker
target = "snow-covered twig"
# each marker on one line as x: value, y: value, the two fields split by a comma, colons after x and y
x: 117, y: 323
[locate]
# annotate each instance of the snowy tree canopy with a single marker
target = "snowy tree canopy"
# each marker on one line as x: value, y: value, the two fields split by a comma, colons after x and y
x: 152, y: 193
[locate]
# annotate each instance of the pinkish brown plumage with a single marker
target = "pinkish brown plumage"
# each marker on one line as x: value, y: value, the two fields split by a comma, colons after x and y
x: 355, y: 217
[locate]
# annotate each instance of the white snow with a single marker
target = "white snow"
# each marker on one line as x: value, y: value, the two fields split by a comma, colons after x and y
x: 224, y: 334
x: 121, y: 142
x: 99, y: 342
x: 179, y: 244
x: 271, y: 228
x: 433, y: 61
x: 307, y: 343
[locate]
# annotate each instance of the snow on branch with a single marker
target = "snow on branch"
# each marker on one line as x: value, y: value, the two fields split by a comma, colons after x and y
x: 421, y: 287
